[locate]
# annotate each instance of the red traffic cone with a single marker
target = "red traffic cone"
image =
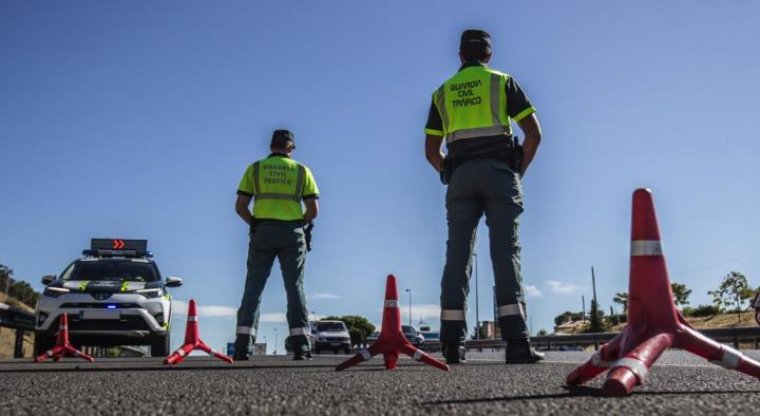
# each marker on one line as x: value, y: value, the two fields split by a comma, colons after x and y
x: 654, y: 323
x: 62, y: 345
x: 193, y: 340
x: 391, y: 341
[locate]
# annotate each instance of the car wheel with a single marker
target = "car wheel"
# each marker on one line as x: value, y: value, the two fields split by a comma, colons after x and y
x: 335, y: 351
x: 347, y: 350
x: 159, y: 346
x: 317, y: 350
x: 42, y: 343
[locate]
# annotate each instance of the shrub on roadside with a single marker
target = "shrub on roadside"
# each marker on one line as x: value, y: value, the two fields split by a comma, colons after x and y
x: 700, y: 311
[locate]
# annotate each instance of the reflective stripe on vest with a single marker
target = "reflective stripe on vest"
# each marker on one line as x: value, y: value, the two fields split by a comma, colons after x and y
x: 469, y: 110
x: 295, y: 196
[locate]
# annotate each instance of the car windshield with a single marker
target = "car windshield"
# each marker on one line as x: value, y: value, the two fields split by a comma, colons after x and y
x: 408, y: 329
x: 330, y: 326
x: 118, y: 270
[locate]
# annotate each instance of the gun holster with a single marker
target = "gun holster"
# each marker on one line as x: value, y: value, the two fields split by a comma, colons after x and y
x: 516, y: 155
x: 307, y: 235
x: 447, y: 170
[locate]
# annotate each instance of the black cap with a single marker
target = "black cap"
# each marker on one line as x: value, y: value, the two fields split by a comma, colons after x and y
x: 280, y: 139
x: 475, y: 40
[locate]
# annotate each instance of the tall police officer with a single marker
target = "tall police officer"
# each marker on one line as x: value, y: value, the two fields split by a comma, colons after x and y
x: 277, y: 184
x: 483, y: 168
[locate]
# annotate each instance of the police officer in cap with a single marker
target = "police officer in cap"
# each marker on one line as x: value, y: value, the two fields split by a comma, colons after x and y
x: 484, y: 164
x: 278, y: 185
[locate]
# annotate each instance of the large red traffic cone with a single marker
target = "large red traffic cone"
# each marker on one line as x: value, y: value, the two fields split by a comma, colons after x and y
x: 391, y: 341
x: 193, y: 340
x: 654, y: 323
x: 62, y: 345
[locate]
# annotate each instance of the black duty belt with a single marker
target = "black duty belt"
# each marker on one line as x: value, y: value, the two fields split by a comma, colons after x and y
x: 273, y: 221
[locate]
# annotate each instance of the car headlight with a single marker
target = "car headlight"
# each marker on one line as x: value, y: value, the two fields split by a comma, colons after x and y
x: 54, y: 292
x: 150, y: 293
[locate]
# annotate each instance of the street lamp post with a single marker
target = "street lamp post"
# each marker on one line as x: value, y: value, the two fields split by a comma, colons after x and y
x: 409, y: 291
x: 477, y: 303
x: 275, y: 342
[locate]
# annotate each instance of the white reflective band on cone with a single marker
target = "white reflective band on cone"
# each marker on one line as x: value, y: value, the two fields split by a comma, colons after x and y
x: 452, y: 315
x: 391, y: 303
x: 511, y: 310
x: 192, y: 319
x: 597, y: 361
x: 418, y: 355
x: 646, y: 248
x: 64, y: 327
x: 731, y: 358
x: 299, y: 331
x: 181, y: 352
x: 245, y: 330
x: 634, y: 365
x: 365, y: 354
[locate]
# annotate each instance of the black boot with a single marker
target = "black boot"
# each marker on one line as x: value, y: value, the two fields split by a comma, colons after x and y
x: 519, y: 351
x: 454, y: 353
x: 242, y: 343
x: 301, y: 355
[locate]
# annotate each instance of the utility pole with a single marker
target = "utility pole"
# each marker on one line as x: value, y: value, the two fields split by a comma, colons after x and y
x: 593, y: 284
x: 596, y: 325
x: 583, y: 311
x: 409, y: 291
x: 477, y: 303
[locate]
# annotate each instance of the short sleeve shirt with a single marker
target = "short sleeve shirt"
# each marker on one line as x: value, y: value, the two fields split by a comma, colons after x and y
x: 279, y: 209
x: 518, y: 106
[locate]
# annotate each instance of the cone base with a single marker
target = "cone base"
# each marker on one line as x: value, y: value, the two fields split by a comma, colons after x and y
x: 620, y: 382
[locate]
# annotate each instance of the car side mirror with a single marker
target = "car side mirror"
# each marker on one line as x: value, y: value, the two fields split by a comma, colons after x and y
x: 174, y: 281
x: 46, y: 280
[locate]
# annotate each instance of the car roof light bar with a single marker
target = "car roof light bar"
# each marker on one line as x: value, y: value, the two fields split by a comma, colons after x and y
x: 118, y: 244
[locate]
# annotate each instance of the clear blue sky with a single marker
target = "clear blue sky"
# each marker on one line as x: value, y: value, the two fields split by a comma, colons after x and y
x: 137, y: 119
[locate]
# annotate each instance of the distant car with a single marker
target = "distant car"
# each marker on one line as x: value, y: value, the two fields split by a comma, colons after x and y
x: 427, y: 332
x: 113, y: 295
x: 410, y: 333
x: 371, y: 338
x: 329, y: 335
x: 413, y: 335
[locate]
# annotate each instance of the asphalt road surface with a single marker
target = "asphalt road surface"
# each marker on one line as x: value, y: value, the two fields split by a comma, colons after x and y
x: 679, y: 384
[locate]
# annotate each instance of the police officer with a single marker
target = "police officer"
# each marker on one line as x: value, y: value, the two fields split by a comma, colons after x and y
x: 277, y: 184
x: 483, y: 167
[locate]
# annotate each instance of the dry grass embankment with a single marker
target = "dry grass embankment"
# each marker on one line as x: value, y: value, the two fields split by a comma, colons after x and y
x: 724, y: 320
x: 8, y: 336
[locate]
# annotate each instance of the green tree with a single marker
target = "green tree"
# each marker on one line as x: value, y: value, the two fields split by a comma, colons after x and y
x: 359, y: 328
x: 734, y: 291
x: 597, y: 318
x: 542, y: 332
x: 680, y: 294
x: 567, y: 316
x: 5, y: 277
x: 621, y: 299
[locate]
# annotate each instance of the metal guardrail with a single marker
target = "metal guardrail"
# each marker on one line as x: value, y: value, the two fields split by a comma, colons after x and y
x: 725, y: 335
x: 20, y: 320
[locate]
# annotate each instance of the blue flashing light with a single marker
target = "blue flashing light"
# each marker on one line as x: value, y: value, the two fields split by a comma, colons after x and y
x: 111, y: 306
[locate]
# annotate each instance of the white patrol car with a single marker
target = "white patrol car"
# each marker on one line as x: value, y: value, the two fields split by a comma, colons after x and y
x: 114, y: 295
